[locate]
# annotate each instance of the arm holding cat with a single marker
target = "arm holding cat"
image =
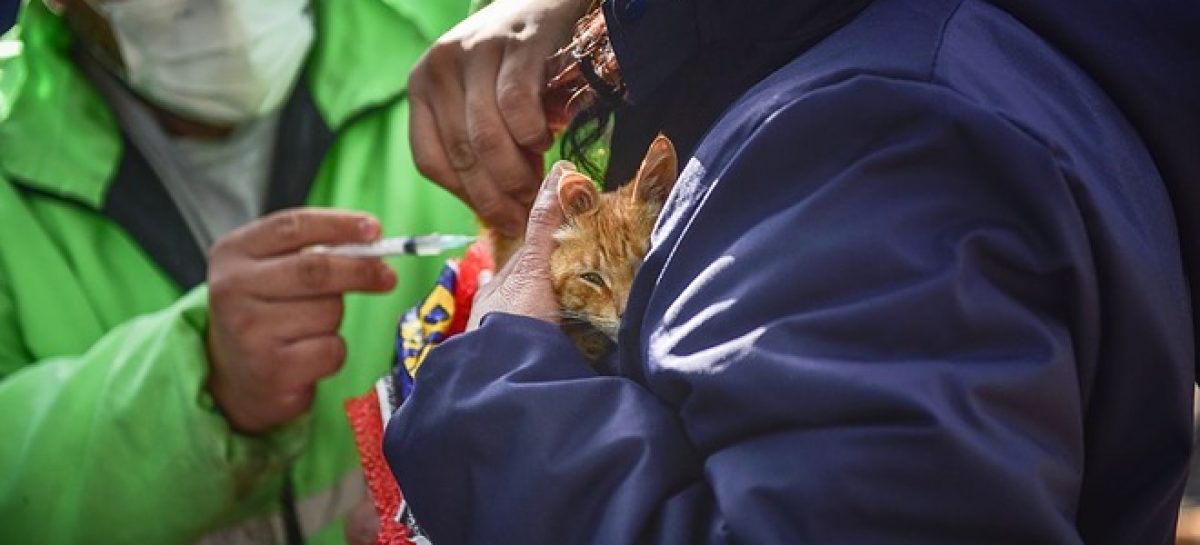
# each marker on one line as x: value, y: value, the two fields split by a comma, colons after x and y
x: 858, y: 340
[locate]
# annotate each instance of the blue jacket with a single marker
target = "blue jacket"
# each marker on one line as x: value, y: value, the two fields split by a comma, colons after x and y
x: 923, y: 284
x: 8, y: 14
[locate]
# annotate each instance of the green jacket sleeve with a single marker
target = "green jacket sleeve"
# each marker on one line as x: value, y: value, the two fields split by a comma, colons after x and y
x: 122, y: 444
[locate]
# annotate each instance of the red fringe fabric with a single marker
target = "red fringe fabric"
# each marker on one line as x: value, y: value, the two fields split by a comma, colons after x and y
x: 367, y: 424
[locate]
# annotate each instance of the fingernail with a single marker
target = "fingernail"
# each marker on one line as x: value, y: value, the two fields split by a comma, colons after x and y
x: 560, y: 167
x: 369, y: 228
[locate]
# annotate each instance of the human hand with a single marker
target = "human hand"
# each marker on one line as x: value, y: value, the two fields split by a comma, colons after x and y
x: 362, y: 524
x: 523, y: 285
x: 274, y: 311
x: 477, y: 126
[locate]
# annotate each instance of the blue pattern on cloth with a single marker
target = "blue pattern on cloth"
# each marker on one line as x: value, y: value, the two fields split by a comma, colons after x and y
x: 423, y: 327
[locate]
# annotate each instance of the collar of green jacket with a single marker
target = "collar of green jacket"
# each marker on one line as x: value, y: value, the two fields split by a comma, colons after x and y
x: 58, y: 136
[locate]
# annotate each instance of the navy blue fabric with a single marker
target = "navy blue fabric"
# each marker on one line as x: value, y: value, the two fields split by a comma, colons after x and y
x: 8, y: 14
x: 684, y: 62
x: 921, y: 285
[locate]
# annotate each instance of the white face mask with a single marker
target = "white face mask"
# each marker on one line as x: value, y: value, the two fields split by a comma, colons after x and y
x: 223, y: 61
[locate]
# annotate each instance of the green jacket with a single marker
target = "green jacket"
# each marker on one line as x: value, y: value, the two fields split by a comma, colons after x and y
x: 107, y: 434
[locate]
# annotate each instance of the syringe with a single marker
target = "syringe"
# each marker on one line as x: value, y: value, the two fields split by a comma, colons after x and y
x: 419, y: 245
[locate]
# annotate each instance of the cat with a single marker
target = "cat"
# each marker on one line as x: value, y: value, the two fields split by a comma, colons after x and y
x: 600, y: 246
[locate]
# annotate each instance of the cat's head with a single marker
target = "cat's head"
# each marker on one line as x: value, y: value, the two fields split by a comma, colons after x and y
x: 605, y: 238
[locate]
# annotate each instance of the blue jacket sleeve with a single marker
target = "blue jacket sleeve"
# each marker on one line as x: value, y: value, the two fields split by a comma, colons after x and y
x: 8, y: 14
x: 462, y: 450
x: 862, y: 322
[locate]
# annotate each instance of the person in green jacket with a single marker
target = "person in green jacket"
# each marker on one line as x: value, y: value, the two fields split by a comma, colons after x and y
x: 172, y: 369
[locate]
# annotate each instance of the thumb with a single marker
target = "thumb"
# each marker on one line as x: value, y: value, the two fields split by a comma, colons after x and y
x: 546, y: 216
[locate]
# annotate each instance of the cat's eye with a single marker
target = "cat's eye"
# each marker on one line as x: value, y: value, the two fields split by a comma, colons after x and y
x: 592, y: 278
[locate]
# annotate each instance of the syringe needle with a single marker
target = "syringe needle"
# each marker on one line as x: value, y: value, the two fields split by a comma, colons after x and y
x: 421, y: 245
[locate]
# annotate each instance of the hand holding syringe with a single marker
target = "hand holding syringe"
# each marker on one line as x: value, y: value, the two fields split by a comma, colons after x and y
x: 419, y: 245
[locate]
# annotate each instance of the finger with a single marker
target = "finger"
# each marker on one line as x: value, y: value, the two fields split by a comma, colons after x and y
x: 362, y: 524
x: 302, y: 363
x: 297, y: 401
x: 519, y: 96
x: 272, y: 409
x: 428, y: 154
x: 312, y: 274
x: 258, y: 326
x: 291, y: 230
x: 546, y: 216
x: 498, y: 210
x: 537, y: 162
x: 489, y: 195
x: 287, y: 321
x: 497, y: 151
x: 447, y: 101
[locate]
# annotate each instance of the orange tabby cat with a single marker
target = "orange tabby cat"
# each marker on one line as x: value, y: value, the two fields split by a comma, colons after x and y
x: 600, y: 247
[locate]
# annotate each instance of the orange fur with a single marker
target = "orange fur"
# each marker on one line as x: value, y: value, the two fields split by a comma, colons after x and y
x: 503, y: 247
x: 601, y: 246
x: 603, y: 243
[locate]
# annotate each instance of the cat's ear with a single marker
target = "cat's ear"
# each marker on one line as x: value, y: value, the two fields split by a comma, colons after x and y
x: 576, y: 194
x: 657, y: 174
